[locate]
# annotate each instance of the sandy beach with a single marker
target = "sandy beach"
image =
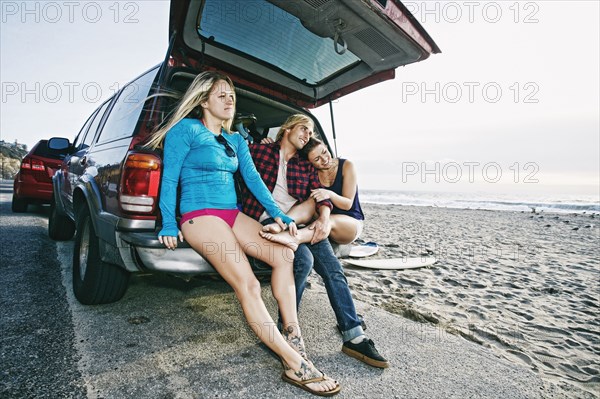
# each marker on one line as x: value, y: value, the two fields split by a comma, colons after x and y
x: 524, y: 285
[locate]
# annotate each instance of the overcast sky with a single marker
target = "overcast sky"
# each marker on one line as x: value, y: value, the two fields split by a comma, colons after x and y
x: 513, y: 99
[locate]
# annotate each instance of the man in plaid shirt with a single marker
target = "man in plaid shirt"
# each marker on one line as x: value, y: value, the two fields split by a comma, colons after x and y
x: 301, y: 179
x: 290, y: 179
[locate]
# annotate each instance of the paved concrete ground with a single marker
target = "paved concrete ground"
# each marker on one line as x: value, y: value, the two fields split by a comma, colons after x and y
x: 37, y: 356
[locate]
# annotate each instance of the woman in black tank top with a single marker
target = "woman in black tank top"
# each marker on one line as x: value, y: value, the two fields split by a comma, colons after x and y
x: 338, y: 177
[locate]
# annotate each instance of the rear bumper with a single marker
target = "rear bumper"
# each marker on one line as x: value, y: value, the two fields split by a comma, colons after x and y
x: 155, y: 257
x: 33, y: 190
x: 151, y: 255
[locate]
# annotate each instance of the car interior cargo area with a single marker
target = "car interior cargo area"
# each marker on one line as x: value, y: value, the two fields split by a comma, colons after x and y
x: 267, y: 113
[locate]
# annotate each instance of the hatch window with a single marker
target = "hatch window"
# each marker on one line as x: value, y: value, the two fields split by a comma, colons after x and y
x: 263, y: 31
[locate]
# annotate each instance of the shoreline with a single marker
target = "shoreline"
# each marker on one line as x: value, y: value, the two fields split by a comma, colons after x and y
x: 596, y: 214
x: 540, y: 201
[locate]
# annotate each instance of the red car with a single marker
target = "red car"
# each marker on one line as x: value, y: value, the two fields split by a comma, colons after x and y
x: 33, y: 182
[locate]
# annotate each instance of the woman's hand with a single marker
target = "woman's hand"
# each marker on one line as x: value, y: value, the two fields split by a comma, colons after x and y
x: 320, y: 194
x: 170, y: 241
x: 267, y: 140
x: 293, y: 229
x: 292, y: 226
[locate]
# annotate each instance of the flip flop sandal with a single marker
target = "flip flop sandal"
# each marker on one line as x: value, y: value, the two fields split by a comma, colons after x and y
x: 303, y: 384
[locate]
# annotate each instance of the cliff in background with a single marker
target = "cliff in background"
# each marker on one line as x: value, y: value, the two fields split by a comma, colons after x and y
x: 10, y: 158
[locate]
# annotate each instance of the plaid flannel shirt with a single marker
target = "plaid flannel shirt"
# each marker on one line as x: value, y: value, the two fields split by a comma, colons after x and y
x: 301, y: 177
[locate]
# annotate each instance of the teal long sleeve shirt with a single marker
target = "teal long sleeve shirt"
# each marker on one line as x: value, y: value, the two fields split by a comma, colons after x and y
x: 194, y: 158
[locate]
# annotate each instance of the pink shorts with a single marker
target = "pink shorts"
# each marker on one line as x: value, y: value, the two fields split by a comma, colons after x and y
x: 228, y: 215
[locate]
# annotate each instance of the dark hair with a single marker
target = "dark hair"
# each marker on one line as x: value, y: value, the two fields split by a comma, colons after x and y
x: 310, y: 145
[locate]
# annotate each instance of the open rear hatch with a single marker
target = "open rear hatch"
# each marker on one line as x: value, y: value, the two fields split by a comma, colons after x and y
x: 306, y: 52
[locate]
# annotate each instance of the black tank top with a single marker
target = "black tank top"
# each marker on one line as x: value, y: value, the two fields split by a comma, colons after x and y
x: 355, y: 211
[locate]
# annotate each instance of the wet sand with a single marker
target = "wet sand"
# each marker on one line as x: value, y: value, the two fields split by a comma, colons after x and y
x: 523, y: 285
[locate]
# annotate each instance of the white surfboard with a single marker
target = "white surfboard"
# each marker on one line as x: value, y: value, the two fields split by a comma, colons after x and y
x: 362, y: 251
x: 393, y: 263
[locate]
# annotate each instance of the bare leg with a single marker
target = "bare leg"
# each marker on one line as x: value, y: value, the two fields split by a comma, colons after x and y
x: 343, y: 228
x: 281, y: 259
x: 343, y: 231
x: 292, y: 242
x: 302, y: 213
x: 226, y: 256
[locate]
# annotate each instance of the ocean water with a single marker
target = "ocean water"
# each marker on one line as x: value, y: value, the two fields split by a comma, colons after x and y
x: 554, y: 203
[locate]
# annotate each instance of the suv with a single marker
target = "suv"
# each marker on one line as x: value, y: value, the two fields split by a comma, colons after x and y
x: 33, y: 181
x: 108, y: 185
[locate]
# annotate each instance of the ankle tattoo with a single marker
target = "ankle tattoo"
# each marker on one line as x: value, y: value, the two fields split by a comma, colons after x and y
x: 295, y: 341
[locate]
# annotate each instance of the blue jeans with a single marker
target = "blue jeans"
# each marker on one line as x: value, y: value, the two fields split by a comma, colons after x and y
x: 327, y: 265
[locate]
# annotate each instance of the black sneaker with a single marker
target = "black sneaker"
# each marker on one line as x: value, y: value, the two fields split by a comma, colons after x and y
x: 365, y: 352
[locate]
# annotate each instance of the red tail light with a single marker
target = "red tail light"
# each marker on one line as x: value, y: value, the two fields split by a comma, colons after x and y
x: 139, y: 183
x: 36, y: 164
x: 36, y: 169
x: 26, y: 163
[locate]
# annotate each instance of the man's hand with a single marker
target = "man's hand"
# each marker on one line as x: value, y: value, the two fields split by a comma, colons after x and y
x: 321, y: 227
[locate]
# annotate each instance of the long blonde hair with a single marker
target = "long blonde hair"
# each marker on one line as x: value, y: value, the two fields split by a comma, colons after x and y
x: 196, y: 94
x: 291, y: 122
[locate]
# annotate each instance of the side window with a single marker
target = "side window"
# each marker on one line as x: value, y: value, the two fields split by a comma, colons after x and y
x: 125, y: 113
x: 91, y: 133
x: 83, y: 131
x: 273, y: 132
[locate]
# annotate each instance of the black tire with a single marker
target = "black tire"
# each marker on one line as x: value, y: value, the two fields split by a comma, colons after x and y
x: 60, y: 227
x: 94, y: 281
x: 18, y: 205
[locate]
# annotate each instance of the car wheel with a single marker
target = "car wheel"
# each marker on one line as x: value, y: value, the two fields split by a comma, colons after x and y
x: 18, y: 205
x: 94, y: 281
x: 60, y: 227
